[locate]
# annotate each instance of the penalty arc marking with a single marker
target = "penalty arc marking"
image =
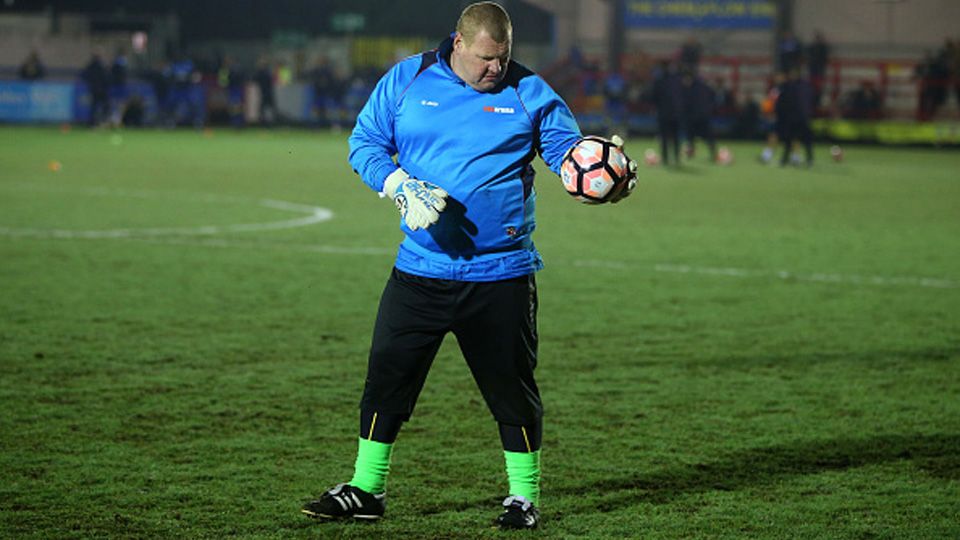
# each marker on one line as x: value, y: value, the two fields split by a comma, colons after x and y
x: 315, y: 214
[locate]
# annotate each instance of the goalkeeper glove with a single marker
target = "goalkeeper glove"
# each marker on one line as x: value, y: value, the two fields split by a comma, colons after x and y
x: 631, y: 172
x: 419, y: 202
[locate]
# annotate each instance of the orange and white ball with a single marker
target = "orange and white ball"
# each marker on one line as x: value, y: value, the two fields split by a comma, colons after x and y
x: 595, y: 170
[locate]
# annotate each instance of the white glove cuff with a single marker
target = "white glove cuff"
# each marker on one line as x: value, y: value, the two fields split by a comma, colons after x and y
x: 393, y: 181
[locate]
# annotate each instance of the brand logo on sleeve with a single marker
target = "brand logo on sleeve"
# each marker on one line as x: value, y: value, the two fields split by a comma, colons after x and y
x: 499, y: 110
x: 429, y: 103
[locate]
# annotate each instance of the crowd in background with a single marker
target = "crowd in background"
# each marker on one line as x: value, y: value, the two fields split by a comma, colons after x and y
x: 217, y: 90
x: 934, y: 74
x: 195, y: 91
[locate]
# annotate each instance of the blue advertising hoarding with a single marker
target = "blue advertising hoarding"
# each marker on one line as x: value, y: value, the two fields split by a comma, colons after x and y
x: 142, y: 90
x: 36, y: 101
x: 57, y: 102
x: 717, y: 14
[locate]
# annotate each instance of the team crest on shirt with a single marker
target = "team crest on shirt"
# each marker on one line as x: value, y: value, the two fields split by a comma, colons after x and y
x: 499, y: 110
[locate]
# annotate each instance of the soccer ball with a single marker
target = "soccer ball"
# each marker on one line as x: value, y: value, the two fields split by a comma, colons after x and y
x: 595, y: 170
x: 724, y: 156
x: 650, y: 157
x: 836, y: 153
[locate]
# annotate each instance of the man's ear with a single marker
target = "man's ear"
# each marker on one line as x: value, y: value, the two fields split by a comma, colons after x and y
x: 458, y: 41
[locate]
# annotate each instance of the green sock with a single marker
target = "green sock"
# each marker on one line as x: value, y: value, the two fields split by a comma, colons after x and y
x: 523, y: 473
x: 372, y: 466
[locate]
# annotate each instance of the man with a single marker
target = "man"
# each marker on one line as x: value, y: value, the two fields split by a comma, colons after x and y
x: 668, y: 95
x: 465, y: 123
x: 724, y: 103
x: 160, y: 77
x: 97, y: 79
x: 789, y: 52
x: 119, y: 91
x: 230, y: 80
x: 794, y: 109
x: 32, y: 68
x: 327, y: 90
x: 263, y: 77
x: 769, y: 120
x: 690, y: 53
x: 185, y: 99
x: 698, y: 103
x: 818, y: 58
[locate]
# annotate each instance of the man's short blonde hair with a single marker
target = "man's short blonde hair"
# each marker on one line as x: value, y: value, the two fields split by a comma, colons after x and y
x: 489, y: 16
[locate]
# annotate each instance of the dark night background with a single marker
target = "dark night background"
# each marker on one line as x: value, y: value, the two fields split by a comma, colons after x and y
x: 258, y: 19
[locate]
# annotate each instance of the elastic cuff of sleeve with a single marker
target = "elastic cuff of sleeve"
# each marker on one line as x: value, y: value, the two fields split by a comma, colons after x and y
x: 392, y: 181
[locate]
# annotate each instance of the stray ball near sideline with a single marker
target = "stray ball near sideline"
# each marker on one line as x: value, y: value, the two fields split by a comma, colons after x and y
x: 836, y: 153
x: 724, y: 156
x: 650, y: 157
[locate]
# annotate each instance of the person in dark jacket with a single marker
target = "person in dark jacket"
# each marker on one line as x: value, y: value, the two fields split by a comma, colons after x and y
x: 263, y: 77
x: 794, y: 109
x: 97, y: 79
x: 667, y: 96
x: 698, y: 104
x: 160, y: 78
x: 789, y: 52
x: 818, y: 58
x: 231, y: 80
x: 119, y: 90
x: 327, y: 92
x: 690, y: 53
x: 32, y: 68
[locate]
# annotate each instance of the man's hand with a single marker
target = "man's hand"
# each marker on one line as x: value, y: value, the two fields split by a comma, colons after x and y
x: 419, y: 202
x: 631, y: 172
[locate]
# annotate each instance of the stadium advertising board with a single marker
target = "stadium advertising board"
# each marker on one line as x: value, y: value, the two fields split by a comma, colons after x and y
x: 728, y: 14
x: 36, y: 101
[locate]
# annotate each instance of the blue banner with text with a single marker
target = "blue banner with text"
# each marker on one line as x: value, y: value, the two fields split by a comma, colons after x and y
x: 36, y: 101
x: 720, y: 14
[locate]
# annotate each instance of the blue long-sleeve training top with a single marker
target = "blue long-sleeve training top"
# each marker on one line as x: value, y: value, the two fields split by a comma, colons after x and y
x: 479, y: 147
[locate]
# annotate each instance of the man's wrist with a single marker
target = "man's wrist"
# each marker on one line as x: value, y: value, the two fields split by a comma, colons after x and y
x: 393, y: 181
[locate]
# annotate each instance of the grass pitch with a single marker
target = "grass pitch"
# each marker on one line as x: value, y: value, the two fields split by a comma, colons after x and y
x: 740, y: 351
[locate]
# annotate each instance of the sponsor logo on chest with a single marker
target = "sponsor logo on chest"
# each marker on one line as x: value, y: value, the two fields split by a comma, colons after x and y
x: 486, y: 108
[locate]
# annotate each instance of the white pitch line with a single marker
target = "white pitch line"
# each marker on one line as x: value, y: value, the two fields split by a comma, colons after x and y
x: 316, y: 215
x: 308, y: 248
x: 852, y: 279
x: 168, y: 236
x: 176, y: 235
x: 99, y: 191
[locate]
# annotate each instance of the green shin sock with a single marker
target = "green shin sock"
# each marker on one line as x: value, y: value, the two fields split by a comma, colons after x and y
x: 372, y: 466
x: 523, y: 473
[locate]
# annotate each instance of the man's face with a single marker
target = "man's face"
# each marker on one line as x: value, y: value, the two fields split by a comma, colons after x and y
x: 482, y: 64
